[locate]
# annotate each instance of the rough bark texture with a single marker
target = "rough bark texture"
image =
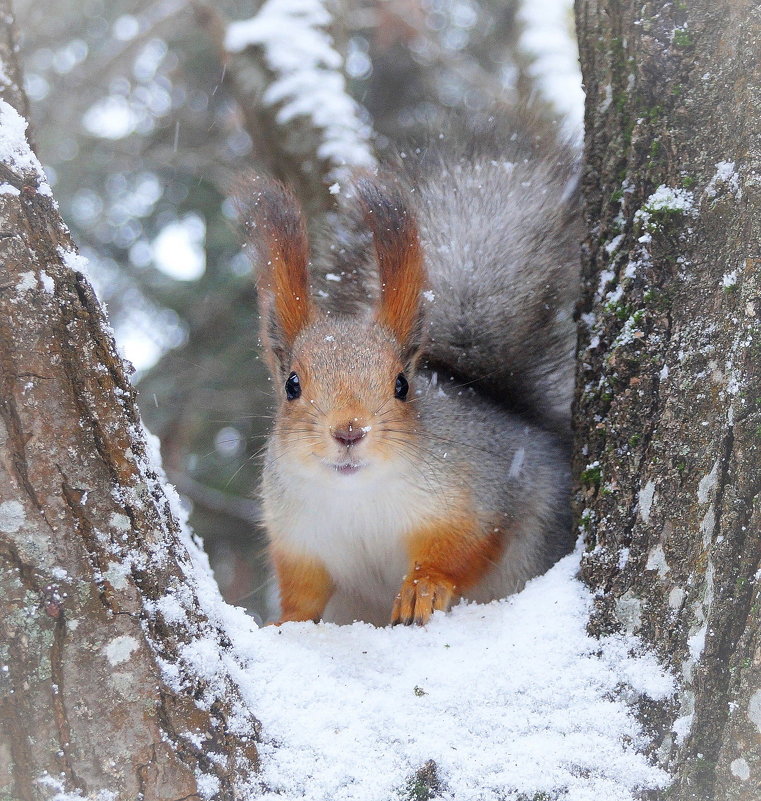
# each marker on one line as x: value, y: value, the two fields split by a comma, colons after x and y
x: 668, y: 407
x: 87, y: 544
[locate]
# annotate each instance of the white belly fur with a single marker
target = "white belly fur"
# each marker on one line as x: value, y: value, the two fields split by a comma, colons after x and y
x: 355, y: 525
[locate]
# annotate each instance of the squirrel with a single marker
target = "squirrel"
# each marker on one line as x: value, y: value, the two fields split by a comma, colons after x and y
x: 420, y: 451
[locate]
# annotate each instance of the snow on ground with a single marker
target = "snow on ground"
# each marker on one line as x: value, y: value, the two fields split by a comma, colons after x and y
x: 512, y: 700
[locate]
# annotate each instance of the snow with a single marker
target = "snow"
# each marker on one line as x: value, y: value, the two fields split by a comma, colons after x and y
x: 14, y: 147
x: 512, y: 697
x: 725, y: 174
x: 665, y: 199
x: 308, y: 80
x: 729, y: 279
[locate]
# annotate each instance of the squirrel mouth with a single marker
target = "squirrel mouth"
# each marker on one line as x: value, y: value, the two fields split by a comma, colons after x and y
x: 347, y: 468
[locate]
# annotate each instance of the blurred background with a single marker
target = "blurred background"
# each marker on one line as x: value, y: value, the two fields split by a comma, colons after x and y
x: 145, y: 111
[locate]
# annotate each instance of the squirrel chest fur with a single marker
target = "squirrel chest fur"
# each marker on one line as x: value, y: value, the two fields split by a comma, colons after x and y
x: 409, y: 465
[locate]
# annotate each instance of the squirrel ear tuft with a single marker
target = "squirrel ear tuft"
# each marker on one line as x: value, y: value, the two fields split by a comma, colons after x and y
x: 274, y: 225
x: 400, y: 260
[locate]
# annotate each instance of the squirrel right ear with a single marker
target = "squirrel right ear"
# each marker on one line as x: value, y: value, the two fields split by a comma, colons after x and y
x: 275, y: 227
x: 400, y: 261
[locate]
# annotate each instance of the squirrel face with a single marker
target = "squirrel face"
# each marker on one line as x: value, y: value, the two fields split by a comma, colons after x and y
x: 345, y: 406
x: 343, y: 381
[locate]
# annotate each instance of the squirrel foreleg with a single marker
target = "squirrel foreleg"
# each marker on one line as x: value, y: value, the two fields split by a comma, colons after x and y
x: 445, y: 560
x: 305, y: 586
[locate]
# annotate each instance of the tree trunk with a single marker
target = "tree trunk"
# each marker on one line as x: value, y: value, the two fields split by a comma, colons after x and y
x: 668, y: 405
x: 98, y: 604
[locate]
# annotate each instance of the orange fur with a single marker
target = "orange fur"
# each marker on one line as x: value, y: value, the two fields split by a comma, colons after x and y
x: 290, y: 286
x: 400, y: 258
x: 446, y: 559
x: 305, y: 586
x: 275, y: 225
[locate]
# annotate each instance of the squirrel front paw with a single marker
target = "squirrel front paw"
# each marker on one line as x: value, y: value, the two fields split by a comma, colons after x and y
x: 423, y: 592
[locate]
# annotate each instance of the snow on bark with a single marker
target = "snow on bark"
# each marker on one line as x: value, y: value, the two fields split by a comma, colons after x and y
x: 308, y: 78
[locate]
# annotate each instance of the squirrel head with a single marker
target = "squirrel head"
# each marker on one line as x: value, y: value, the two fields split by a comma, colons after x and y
x: 343, y: 384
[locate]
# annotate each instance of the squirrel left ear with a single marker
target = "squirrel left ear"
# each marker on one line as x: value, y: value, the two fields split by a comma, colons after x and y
x: 275, y: 225
x: 400, y: 262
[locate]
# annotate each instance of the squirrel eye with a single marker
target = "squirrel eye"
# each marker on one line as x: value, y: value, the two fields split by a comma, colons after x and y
x: 402, y: 387
x: 292, y: 387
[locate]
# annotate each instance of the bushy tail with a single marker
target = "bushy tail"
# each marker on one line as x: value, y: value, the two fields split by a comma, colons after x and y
x: 500, y: 238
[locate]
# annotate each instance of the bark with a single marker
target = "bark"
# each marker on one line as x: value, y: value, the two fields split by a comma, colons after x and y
x: 668, y: 405
x: 89, y: 545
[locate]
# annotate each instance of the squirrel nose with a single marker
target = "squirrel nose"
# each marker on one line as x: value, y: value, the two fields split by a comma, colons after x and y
x: 347, y: 435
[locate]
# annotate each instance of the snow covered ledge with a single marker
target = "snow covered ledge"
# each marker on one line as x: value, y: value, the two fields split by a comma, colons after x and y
x: 509, y: 700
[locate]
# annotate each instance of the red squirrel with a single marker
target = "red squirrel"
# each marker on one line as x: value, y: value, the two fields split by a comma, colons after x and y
x: 420, y: 447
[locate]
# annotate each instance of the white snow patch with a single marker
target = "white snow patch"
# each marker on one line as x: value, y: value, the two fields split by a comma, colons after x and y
x: 335, y: 188
x: 120, y: 649
x: 12, y: 516
x: 614, y: 244
x: 27, y: 282
x: 413, y: 692
x: 664, y: 199
x: 14, y: 147
x: 508, y: 697
x: 207, y: 784
x: 309, y: 81
x: 682, y: 727
x: 332, y: 277
x: 60, y: 793
x: 48, y: 284
x: 740, y: 769
x: 74, y: 261
x: 8, y: 189
x: 729, y: 280
x: 725, y: 174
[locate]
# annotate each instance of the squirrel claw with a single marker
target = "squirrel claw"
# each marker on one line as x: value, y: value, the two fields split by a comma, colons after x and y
x: 420, y: 597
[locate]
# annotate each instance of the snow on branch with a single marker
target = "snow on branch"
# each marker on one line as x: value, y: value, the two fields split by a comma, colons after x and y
x: 308, y: 78
x: 15, y: 150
